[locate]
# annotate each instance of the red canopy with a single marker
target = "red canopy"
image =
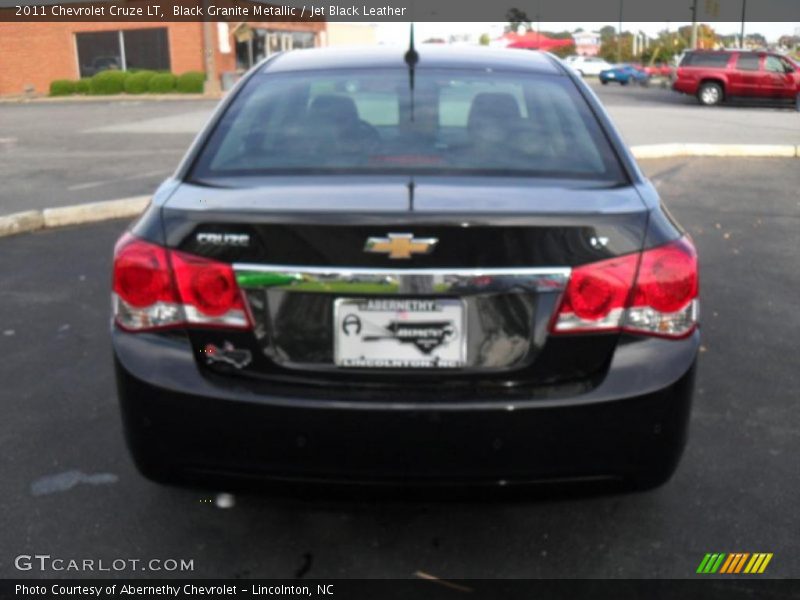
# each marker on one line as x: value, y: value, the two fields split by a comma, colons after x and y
x: 532, y: 40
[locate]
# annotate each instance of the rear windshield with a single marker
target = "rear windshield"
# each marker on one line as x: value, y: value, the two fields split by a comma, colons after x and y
x: 706, y: 59
x: 370, y: 121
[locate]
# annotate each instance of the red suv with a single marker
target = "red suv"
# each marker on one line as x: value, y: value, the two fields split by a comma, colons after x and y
x: 713, y: 76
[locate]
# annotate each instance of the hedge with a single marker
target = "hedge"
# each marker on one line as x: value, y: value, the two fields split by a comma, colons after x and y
x: 138, y: 82
x: 62, y: 87
x: 107, y: 83
x: 113, y: 82
x: 82, y: 85
x: 162, y: 83
x: 191, y: 83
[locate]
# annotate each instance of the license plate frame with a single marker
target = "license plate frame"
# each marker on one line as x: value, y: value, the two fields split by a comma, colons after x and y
x: 399, y: 333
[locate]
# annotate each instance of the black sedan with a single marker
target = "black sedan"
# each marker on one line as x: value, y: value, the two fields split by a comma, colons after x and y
x: 422, y: 266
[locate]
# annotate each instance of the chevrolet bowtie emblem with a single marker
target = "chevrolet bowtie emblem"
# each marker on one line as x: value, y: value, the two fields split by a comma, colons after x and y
x: 400, y: 245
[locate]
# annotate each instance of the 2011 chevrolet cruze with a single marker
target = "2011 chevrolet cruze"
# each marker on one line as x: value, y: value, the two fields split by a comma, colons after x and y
x: 423, y: 266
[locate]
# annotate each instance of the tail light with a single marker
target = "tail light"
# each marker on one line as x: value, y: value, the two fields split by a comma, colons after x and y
x: 209, y: 291
x: 156, y: 288
x: 653, y: 293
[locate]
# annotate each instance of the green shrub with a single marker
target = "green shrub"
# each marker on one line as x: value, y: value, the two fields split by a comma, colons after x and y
x: 191, y: 83
x: 138, y: 82
x: 107, y: 83
x: 162, y: 83
x: 82, y: 85
x: 62, y: 87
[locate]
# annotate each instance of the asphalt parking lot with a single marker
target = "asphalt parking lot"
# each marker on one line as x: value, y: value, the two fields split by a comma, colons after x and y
x: 71, y: 491
x: 58, y: 153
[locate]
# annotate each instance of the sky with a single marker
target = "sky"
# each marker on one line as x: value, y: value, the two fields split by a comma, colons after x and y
x: 397, y: 33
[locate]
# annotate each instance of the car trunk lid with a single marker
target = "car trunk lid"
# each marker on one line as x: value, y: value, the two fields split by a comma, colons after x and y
x: 504, y: 249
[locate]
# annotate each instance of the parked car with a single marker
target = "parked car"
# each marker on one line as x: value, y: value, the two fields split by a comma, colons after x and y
x: 659, y: 70
x: 589, y: 65
x: 714, y: 76
x: 625, y: 74
x: 426, y: 266
x: 101, y: 63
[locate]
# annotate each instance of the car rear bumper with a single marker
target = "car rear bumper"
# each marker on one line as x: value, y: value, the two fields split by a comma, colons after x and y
x: 684, y: 86
x: 180, y: 423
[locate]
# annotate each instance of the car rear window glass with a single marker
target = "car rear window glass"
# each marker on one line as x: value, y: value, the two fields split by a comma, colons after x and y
x: 370, y: 121
x: 706, y: 59
x: 747, y: 62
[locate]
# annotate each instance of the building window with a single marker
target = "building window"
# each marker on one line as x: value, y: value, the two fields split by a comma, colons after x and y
x: 98, y: 52
x: 147, y: 49
x: 124, y: 50
x: 255, y: 44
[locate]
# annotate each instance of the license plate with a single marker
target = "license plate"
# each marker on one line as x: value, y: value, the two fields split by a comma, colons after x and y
x: 396, y: 333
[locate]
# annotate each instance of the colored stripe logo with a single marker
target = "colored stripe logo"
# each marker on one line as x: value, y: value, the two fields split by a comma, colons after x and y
x: 735, y: 563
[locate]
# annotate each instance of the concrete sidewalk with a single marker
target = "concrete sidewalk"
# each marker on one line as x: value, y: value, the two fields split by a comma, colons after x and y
x: 638, y: 125
x: 706, y: 125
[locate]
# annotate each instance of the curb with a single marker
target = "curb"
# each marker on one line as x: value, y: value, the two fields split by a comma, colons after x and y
x: 77, y: 99
x: 32, y: 220
x: 47, y: 218
x: 21, y: 222
x: 716, y: 150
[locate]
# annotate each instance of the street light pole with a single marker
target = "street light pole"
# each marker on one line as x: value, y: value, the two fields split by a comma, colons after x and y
x: 212, y: 85
x: 741, y: 34
x: 694, y: 25
x: 619, y: 35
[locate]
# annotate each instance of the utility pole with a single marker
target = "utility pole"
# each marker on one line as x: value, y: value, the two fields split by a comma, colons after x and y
x: 741, y: 34
x: 619, y: 35
x: 694, y: 26
x: 212, y: 85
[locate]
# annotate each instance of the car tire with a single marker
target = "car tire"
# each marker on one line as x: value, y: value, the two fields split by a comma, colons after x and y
x: 623, y: 82
x: 581, y: 73
x: 710, y: 93
x: 604, y: 81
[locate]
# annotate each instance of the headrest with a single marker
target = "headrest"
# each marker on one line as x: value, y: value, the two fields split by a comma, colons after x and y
x: 331, y: 106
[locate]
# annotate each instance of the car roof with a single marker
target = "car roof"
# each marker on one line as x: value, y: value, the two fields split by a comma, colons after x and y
x: 430, y: 57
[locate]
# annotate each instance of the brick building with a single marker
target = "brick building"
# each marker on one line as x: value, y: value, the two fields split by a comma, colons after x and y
x: 34, y: 54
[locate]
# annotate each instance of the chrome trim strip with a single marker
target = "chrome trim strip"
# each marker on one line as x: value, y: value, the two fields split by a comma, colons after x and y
x: 359, y: 280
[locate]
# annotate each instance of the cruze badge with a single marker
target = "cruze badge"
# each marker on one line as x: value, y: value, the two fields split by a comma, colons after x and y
x: 235, y: 357
x: 400, y: 245
x: 224, y: 239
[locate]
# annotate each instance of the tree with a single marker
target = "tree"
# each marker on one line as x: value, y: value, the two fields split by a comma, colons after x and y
x: 789, y: 41
x: 607, y: 33
x: 558, y: 35
x: 706, y: 36
x: 564, y: 51
x: 515, y: 18
x: 666, y: 45
x: 755, y: 40
x: 609, y: 48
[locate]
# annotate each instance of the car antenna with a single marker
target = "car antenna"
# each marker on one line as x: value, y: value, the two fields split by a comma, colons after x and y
x: 411, y: 58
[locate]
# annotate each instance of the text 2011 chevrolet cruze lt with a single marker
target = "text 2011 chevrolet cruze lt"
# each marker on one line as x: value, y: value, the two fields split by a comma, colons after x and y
x: 432, y: 266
